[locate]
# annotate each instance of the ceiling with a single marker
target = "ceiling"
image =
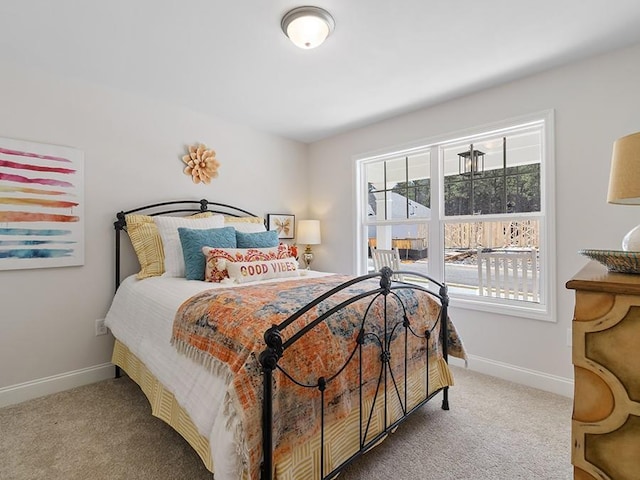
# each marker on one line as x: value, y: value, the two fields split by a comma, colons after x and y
x: 230, y: 59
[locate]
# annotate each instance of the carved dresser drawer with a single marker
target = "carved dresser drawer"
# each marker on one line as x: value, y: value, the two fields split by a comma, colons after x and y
x: 605, y: 430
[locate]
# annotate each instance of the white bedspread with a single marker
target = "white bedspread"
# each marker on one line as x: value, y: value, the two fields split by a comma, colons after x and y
x: 141, y: 316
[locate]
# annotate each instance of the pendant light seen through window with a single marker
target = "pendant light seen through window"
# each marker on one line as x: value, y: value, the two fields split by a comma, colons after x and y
x: 471, y: 162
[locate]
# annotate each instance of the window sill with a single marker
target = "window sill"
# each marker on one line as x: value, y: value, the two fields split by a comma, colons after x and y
x: 537, y: 311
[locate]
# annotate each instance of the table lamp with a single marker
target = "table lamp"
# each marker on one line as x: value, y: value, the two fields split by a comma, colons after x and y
x: 624, y: 182
x: 309, y: 234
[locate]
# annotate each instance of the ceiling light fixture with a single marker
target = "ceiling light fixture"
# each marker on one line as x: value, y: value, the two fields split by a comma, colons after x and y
x: 307, y: 27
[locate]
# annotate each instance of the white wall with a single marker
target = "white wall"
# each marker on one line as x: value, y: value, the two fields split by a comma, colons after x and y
x: 595, y: 102
x: 133, y: 148
x: 132, y: 151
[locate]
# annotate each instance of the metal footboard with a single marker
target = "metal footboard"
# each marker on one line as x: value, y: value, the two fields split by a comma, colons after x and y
x: 388, y: 382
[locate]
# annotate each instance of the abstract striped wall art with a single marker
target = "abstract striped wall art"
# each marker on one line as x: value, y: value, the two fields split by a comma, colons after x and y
x: 41, y: 205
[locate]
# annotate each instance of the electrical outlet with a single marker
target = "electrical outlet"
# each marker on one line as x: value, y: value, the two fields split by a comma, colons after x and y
x: 569, y: 337
x: 101, y: 328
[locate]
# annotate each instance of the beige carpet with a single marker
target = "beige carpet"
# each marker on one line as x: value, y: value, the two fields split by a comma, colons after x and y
x: 495, y: 430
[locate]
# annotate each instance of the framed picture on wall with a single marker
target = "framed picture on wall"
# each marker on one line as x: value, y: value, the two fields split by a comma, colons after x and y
x: 41, y: 205
x: 284, y: 224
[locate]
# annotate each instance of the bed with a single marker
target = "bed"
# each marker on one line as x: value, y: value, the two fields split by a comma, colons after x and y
x: 270, y: 371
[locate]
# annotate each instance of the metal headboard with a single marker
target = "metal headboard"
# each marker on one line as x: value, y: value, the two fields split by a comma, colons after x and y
x: 183, y: 207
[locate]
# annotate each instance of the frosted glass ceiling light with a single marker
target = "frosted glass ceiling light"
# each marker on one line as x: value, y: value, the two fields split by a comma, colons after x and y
x: 307, y: 27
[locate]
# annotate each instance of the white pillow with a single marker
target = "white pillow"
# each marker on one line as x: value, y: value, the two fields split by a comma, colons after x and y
x: 247, y: 227
x: 242, y: 272
x: 168, y: 229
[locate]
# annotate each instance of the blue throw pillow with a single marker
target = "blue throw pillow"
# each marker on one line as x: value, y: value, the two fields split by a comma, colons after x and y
x: 257, y: 239
x: 192, y: 242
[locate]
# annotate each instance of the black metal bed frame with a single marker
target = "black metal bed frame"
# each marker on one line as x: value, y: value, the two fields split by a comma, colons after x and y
x: 168, y: 208
x: 276, y: 345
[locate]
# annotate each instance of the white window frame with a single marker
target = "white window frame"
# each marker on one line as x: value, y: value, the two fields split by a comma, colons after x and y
x: 545, y: 310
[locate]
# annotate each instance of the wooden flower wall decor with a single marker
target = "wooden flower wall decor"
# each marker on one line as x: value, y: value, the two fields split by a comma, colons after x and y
x: 201, y: 164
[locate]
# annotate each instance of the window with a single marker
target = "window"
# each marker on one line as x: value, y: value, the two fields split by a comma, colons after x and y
x: 470, y: 209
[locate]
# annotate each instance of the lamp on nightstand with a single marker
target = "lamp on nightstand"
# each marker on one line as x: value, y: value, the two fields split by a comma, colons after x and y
x: 309, y: 234
x: 624, y: 182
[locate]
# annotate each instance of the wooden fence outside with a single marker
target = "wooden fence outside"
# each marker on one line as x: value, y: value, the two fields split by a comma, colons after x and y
x: 520, y: 233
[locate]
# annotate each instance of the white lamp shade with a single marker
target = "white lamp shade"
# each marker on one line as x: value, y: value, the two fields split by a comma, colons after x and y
x: 308, y: 232
x: 307, y: 27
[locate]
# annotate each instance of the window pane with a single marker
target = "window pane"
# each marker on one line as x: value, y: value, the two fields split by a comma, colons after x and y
x: 399, y: 189
x: 411, y: 240
x: 399, y: 206
x: 493, y: 174
x: 419, y: 185
x: 396, y: 172
x: 374, y: 173
x: 419, y: 167
x: 493, y: 259
x: 374, y: 176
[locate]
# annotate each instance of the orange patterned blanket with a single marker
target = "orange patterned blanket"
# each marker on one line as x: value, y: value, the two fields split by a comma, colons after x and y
x: 223, y: 329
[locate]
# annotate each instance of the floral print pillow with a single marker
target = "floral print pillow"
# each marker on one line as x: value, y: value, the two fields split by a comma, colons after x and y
x: 217, y: 258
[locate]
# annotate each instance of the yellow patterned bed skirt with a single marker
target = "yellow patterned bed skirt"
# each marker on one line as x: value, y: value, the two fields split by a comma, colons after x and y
x: 163, y: 404
x: 341, y: 439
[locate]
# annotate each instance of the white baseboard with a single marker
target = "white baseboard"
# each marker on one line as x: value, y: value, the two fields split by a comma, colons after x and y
x: 56, y: 383
x: 513, y: 373
x: 65, y: 381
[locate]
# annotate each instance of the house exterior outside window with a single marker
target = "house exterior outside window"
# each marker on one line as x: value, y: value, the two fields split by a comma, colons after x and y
x: 474, y: 210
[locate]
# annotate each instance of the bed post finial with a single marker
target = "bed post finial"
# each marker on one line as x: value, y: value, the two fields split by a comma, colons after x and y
x: 385, y: 280
x: 270, y: 355
x: 121, y: 222
x: 444, y: 294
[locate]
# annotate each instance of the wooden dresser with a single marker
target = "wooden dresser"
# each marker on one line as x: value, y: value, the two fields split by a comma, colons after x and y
x: 605, y: 430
